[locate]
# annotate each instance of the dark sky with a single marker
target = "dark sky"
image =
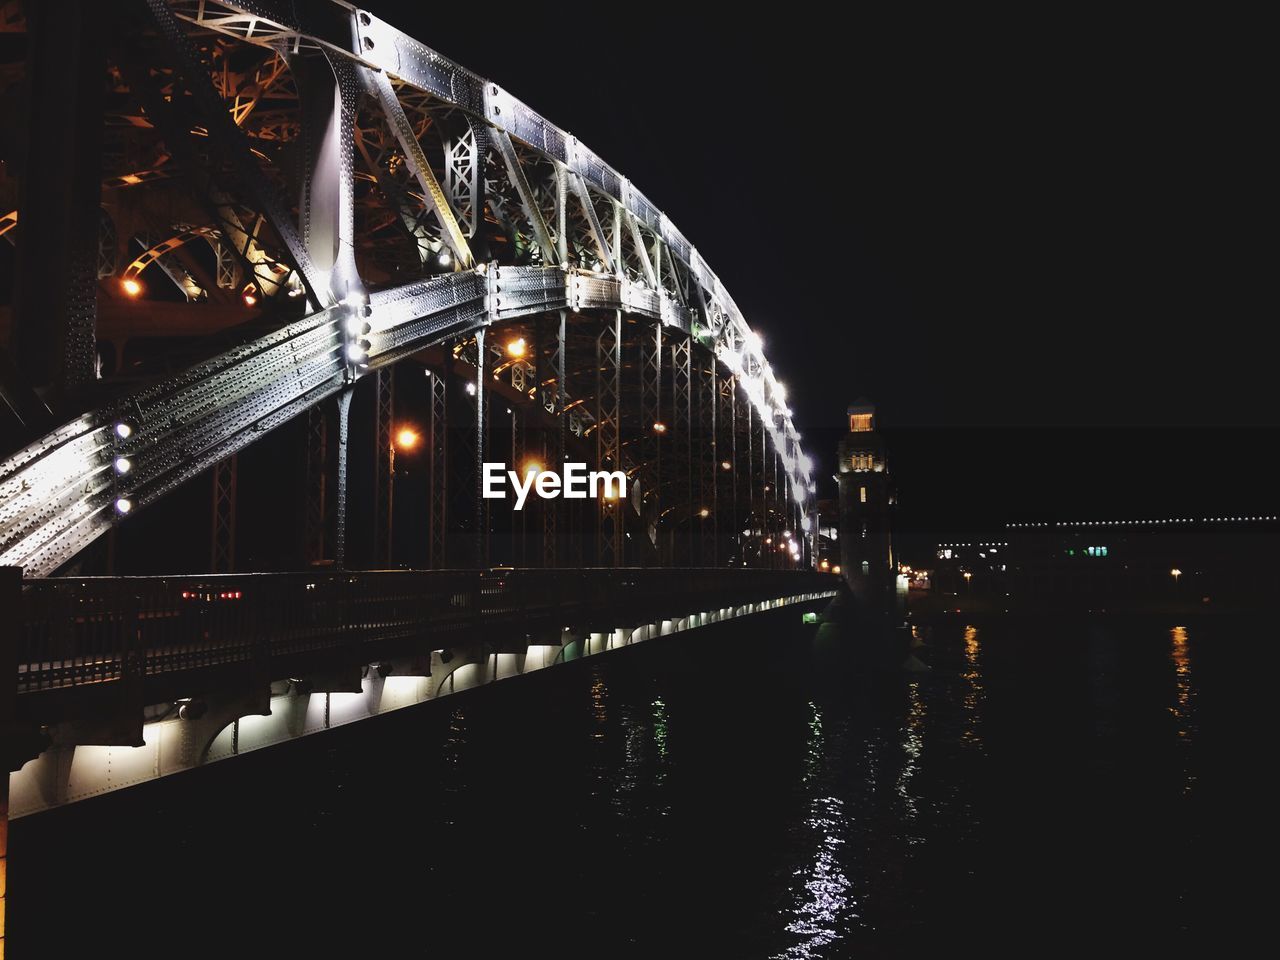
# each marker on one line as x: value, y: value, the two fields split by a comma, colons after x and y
x: 1046, y: 248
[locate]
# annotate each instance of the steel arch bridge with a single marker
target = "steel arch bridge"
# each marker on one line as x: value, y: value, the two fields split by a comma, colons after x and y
x: 338, y: 201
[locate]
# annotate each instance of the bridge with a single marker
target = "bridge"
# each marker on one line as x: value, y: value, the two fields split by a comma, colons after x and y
x: 255, y: 226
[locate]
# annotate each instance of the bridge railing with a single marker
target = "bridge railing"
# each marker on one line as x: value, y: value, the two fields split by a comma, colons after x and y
x: 75, y: 632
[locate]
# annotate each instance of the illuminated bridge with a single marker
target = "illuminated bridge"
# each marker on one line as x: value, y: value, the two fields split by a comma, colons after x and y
x: 294, y: 227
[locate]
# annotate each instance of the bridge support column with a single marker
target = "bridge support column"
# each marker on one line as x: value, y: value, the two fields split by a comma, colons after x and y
x: 384, y: 459
x: 340, y: 506
x: 651, y: 435
x: 317, y: 471
x: 438, y: 451
x: 727, y: 470
x: 708, y: 461
x: 222, y: 546
x: 610, y: 537
x: 681, y: 427
x: 549, y: 372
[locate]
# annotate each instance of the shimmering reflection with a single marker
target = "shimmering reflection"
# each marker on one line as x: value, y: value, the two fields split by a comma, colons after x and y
x: 974, y: 691
x: 660, y: 741
x: 823, y: 895
x: 453, y: 752
x: 1184, y: 700
x: 912, y: 749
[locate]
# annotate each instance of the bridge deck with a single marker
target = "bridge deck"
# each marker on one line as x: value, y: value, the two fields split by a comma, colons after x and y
x: 168, y: 633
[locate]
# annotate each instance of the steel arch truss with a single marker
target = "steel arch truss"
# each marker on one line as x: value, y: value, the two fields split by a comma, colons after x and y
x: 433, y: 207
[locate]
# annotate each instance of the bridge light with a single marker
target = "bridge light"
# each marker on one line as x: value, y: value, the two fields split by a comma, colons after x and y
x: 659, y: 427
x: 824, y: 565
x: 532, y: 467
x: 356, y: 353
x: 250, y: 295
x: 516, y: 347
x: 407, y: 438
x: 704, y: 513
x: 836, y: 569
x: 445, y: 258
x: 471, y: 389
x: 123, y: 430
x: 123, y: 465
x: 726, y: 465
x: 123, y: 505
x: 357, y: 325
x: 131, y: 286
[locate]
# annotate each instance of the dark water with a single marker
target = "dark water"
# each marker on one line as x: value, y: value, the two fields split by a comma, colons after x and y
x: 1047, y: 788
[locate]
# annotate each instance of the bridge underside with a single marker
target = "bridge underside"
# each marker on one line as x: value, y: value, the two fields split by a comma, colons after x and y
x: 192, y: 670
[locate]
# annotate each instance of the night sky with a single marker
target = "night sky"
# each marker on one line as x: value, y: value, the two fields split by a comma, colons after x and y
x: 1044, y: 249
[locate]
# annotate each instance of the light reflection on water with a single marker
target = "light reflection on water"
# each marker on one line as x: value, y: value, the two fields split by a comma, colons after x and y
x: 1183, y: 708
x: 974, y: 692
x: 822, y: 900
x: 1034, y: 776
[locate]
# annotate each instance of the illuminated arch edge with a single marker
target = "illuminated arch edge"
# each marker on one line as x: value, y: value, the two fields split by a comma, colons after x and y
x: 58, y: 489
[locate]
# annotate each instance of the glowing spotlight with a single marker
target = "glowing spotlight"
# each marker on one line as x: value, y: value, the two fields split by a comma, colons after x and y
x: 407, y: 438
x: 124, y: 431
x: 704, y: 513
x: 355, y: 353
x: 532, y: 467
x: 726, y: 465
x: 824, y: 565
x: 250, y: 296
x: 836, y: 569
x: 659, y: 428
x: 123, y: 465
x: 471, y: 389
x: 516, y: 347
x: 131, y: 286
x: 444, y: 259
x: 123, y: 505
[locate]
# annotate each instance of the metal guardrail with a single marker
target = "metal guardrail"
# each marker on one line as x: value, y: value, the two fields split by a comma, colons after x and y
x: 76, y: 632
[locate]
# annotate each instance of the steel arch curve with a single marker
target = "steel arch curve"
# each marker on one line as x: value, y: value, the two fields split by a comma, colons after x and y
x: 588, y: 241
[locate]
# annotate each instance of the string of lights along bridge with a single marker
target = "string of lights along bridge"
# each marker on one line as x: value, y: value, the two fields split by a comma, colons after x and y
x: 1141, y: 523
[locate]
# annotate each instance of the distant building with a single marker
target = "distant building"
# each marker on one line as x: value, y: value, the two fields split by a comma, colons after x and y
x: 1114, y: 564
x: 866, y: 501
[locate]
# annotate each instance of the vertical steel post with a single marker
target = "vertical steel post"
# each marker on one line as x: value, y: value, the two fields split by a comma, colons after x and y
x: 222, y: 539
x: 340, y: 507
x: 383, y: 460
x: 551, y: 360
x: 317, y: 470
x: 726, y: 496
x: 438, y: 472
x: 609, y: 537
x: 681, y: 429
x: 651, y: 435
x: 481, y: 513
x: 706, y: 454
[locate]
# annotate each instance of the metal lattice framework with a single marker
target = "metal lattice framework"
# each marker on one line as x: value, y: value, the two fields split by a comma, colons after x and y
x: 433, y: 207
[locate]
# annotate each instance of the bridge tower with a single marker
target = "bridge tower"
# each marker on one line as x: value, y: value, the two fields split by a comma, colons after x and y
x: 866, y: 499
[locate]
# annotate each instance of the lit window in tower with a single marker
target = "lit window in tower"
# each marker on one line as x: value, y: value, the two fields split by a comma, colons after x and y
x: 862, y: 494
x: 859, y: 422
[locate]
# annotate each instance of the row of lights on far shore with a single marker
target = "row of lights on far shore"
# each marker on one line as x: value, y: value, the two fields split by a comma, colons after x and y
x: 1139, y: 523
